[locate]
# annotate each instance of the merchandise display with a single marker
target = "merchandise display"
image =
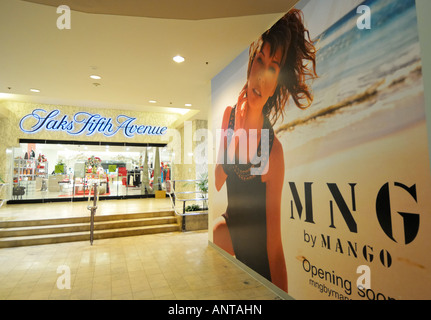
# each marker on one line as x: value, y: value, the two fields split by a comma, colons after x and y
x: 118, y: 171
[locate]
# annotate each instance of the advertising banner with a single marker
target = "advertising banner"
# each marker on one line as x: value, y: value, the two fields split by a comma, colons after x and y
x: 321, y: 182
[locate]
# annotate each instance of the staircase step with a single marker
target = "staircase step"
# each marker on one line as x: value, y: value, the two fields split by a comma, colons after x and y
x: 85, y: 236
x: 43, y: 222
x: 47, y: 231
x: 77, y: 227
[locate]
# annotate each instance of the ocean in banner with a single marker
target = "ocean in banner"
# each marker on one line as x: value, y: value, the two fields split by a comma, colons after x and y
x: 369, y: 85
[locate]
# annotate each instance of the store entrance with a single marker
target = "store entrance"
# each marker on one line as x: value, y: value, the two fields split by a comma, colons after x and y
x: 47, y: 171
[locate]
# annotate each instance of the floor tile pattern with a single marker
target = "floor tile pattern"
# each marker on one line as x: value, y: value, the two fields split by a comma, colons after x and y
x: 170, y: 266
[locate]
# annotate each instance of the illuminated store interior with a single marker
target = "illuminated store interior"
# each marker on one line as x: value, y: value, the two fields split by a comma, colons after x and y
x: 67, y: 170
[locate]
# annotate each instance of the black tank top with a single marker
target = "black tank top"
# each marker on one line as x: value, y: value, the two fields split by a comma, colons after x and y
x: 246, y: 211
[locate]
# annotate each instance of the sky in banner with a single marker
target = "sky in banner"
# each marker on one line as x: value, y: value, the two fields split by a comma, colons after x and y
x: 353, y: 63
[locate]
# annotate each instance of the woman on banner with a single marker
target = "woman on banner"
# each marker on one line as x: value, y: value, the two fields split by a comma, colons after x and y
x: 277, y: 70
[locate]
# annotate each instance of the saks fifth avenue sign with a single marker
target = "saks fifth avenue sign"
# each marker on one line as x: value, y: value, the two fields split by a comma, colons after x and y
x: 84, y: 123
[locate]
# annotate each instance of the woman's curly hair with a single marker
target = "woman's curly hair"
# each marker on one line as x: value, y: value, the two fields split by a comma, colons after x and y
x: 298, y: 50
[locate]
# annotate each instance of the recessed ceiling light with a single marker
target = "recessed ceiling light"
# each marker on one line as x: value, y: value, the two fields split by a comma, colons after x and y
x: 152, y: 101
x: 34, y: 90
x: 178, y: 59
x: 95, y: 77
x: 188, y: 105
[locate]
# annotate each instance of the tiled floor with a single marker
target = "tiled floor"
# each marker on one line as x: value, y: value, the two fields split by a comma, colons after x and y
x: 166, y: 266
x: 162, y: 266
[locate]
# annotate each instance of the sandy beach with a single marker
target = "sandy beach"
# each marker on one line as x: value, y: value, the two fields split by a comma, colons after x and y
x: 398, y: 157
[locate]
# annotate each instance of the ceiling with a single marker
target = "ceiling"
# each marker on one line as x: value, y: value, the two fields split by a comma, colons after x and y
x: 130, y: 46
x: 168, y: 9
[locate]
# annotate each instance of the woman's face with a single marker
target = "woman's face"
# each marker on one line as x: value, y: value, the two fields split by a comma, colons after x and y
x: 263, y: 77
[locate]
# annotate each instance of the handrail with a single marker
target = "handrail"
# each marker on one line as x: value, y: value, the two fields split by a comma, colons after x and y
x: 93, y: 209
x: 172, y: 195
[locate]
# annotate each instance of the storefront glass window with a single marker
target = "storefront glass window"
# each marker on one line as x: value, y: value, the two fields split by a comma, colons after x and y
x: 55, y: 171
